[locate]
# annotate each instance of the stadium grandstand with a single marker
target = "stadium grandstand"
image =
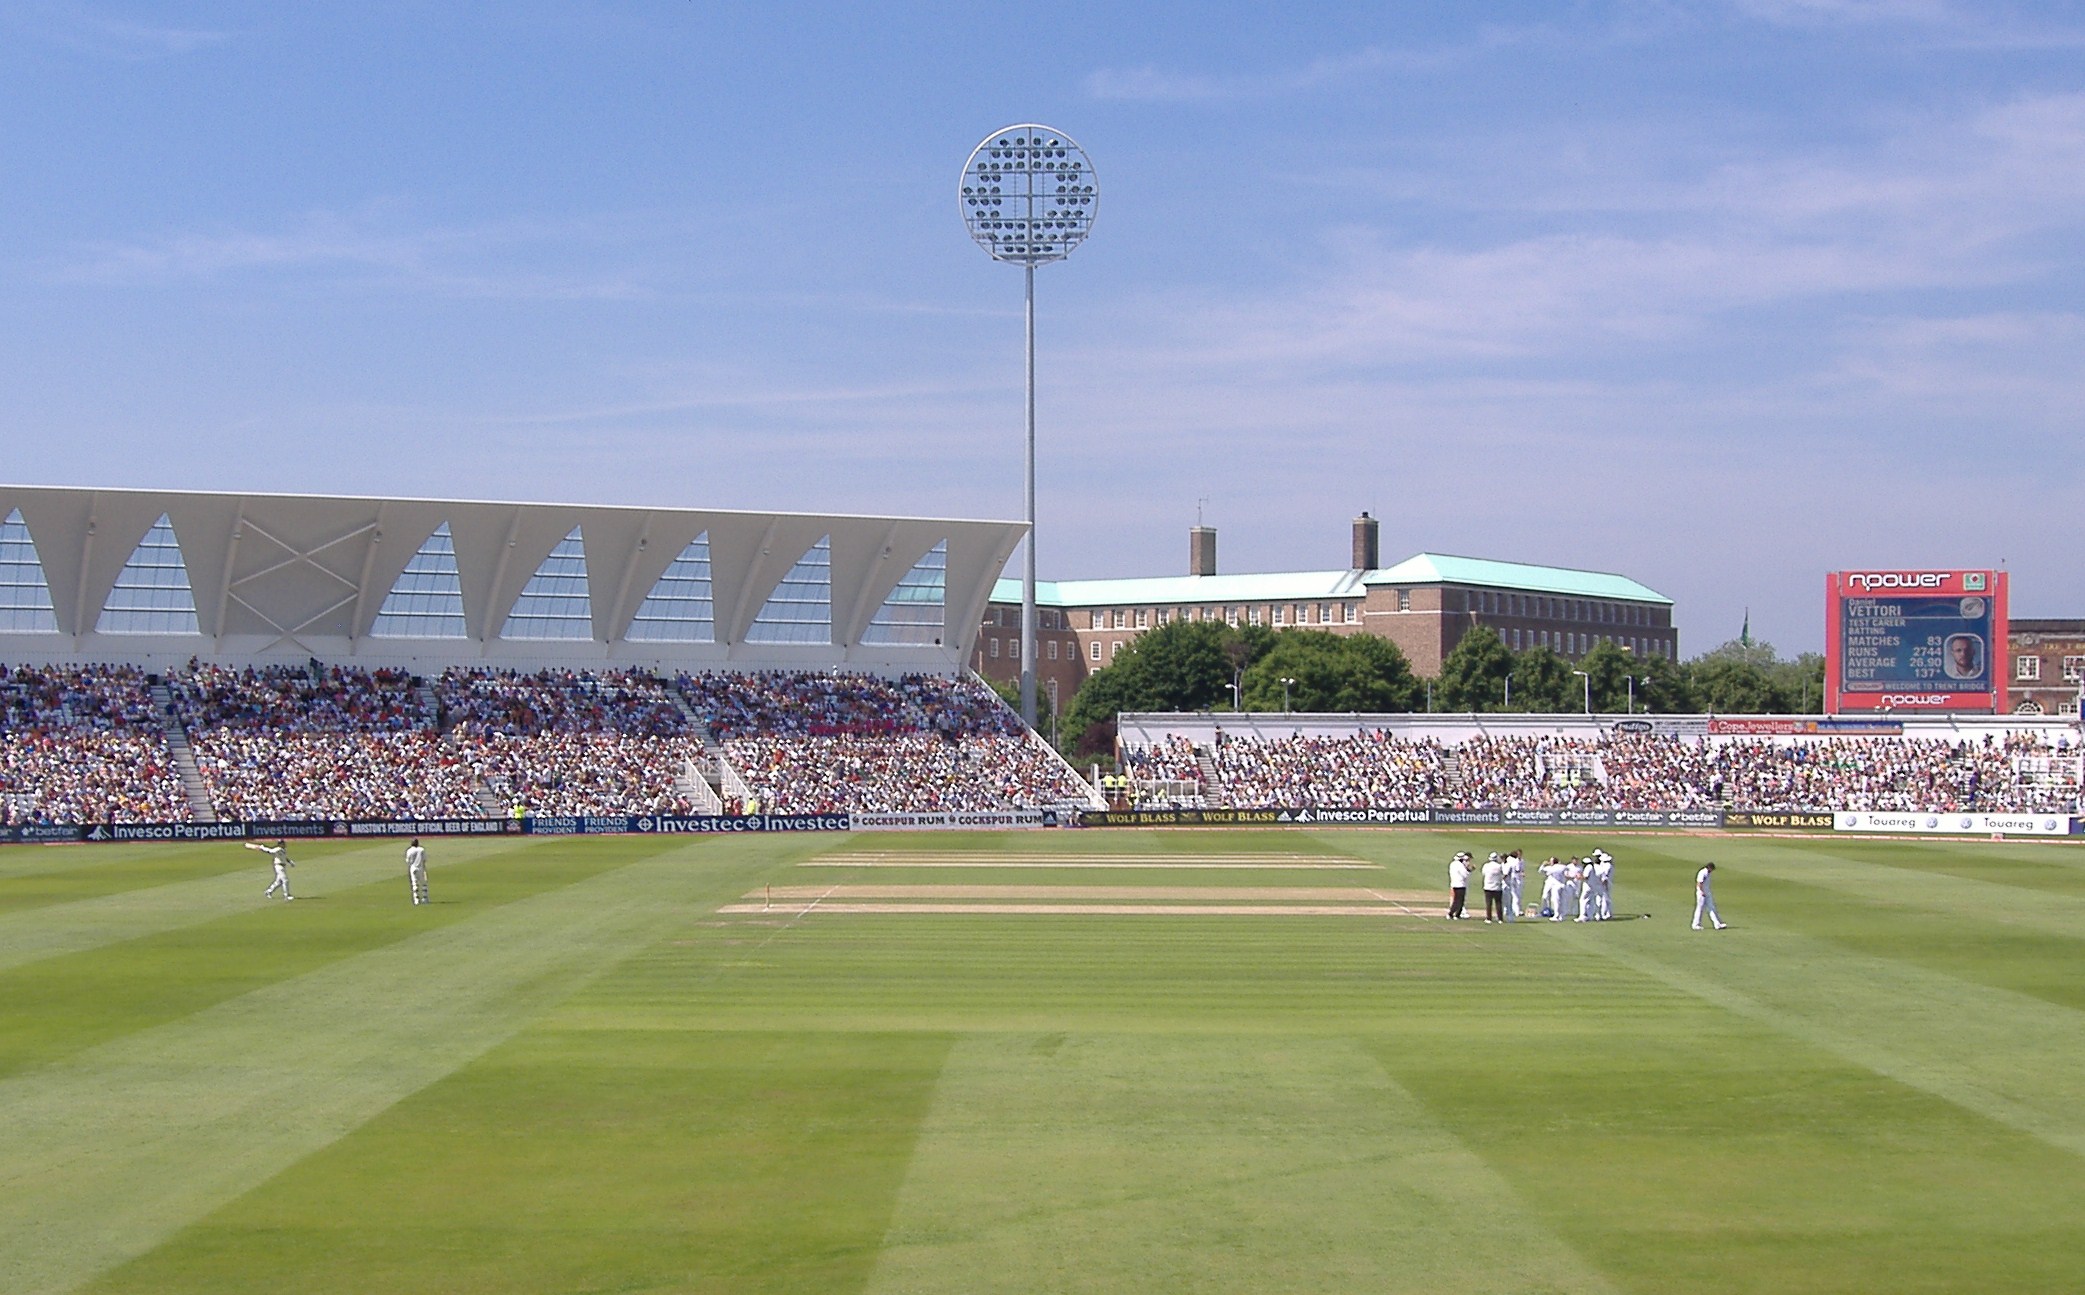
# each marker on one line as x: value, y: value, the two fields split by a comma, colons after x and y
x: 197, y: 657
x: 1964, y: 765
x: 217, y: 659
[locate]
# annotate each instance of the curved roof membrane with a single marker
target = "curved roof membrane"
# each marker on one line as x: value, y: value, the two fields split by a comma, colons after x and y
x: 295, y: 576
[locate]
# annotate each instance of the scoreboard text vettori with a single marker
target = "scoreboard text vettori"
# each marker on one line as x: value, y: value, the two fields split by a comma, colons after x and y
x: 1912, y: 641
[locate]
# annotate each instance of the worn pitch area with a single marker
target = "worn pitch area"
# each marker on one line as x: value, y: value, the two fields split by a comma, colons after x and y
x: 576, y: 1070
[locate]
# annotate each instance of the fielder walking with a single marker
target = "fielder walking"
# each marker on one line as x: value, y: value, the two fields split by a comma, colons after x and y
x: 279, y: 853
x: 1705, y: 897
x: 416, y: 870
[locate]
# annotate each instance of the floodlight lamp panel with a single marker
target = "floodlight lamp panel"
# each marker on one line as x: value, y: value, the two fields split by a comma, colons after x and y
x: 1028, y: 195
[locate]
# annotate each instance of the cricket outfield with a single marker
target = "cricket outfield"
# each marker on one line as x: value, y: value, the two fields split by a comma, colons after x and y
x: 1064, y: 1061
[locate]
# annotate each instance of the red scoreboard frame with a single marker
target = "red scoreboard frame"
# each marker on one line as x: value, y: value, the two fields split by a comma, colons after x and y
x: 1913, y: 641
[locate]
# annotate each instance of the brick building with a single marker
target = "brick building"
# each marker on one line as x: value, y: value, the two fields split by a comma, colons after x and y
x: 1424, y: 604
x: 2048, y: 663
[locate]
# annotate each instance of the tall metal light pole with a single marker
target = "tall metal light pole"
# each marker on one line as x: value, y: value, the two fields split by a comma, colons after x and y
x: 1587, y: 680
x: 1028, y: 196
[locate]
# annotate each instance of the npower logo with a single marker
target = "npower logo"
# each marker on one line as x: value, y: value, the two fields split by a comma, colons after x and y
x: 1872, y: 580
x: 1914, y: 699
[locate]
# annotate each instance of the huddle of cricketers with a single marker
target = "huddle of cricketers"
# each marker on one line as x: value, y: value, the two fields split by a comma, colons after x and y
x: 1580, y: 889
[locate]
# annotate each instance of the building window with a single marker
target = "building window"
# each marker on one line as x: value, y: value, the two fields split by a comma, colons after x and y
x: 680, y: 607
x: 1053, y: 649
x: 2027, y: 667
x: 1516, y: 640
x: 994, y: 648
x: 1096, y: 650
x: 800, y: 610
x: 25, y: 597
x: 1115, y: 649
x: 152, y: 594
x: 913, y: 612
x: 1404, y: 600
x: 2073, y: 668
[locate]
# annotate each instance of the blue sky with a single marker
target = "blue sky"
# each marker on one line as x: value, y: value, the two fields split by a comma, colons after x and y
x: 1720, y: 296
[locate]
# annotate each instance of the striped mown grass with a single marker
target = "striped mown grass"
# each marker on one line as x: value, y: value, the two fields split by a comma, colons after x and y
x: 578, y: 1071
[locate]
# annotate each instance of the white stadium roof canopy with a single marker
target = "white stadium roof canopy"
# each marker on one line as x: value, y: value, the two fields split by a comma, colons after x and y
x: 157, y: 576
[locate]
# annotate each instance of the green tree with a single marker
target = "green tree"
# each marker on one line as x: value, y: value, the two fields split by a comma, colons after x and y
x: 1009, y: 691
x: 1187, y: 665
x: 1734, y: 684
x: 1473, y: 674
x: 1662, y: 687
x: 1800, y: 682
x: 1746, y: 677
x: 1332, y: 673
x: 1609, y: 670
x: 1542, y: 682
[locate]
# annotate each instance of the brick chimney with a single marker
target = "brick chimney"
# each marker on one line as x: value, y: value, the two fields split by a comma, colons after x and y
x: 1367, y: 546
x: 1201, y: 551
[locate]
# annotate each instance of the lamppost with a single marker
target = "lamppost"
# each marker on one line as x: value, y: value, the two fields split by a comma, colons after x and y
x: 1631, y: 680
x: 1508, y: 703
x: 1286, y: 684
x: 1587, y: 680
x: 1028, y: 197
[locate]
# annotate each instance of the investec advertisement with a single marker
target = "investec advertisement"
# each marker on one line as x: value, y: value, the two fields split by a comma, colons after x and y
x: 1914, y: 641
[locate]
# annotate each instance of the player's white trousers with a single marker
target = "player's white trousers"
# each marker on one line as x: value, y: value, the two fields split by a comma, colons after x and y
x: 281, y: 882
x: 1705, y: 904
x: 1512, y: 900
x: 417, y: 877
x: 1603, y: 902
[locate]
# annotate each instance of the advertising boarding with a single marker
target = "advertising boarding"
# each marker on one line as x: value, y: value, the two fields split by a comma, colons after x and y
x: 1914, y: 642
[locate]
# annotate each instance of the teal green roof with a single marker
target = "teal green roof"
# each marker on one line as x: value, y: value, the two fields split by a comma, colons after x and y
x: 1307, y: 586
x: 1444, y: 568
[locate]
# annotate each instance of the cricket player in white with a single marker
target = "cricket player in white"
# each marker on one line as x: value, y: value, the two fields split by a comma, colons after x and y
x: 1603, y: 885
x: 280, y: 854
x: 1458, y: 884
x: 1514, y: 870
x: 1574, y: 888
x: 1705, y: 897
x: 1553, y: 890
x: 416, y: 870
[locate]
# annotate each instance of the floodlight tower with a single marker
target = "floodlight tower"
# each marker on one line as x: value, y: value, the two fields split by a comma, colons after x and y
x: 1028, y: 196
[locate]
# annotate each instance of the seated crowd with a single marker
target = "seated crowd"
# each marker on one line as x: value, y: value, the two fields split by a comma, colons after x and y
x: 83, y: 744
x: 826, y: 743
x: 572, y: 742
x: 290, y: 742
x: 2021, y: 773
x: 86, y: 744
x: 1366, y: 769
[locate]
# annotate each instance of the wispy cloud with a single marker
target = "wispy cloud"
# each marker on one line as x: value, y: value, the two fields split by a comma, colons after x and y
x: 1151, y: 83
x: 1933, y: 22
x: 375, y: 246
x: 81, y: 28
